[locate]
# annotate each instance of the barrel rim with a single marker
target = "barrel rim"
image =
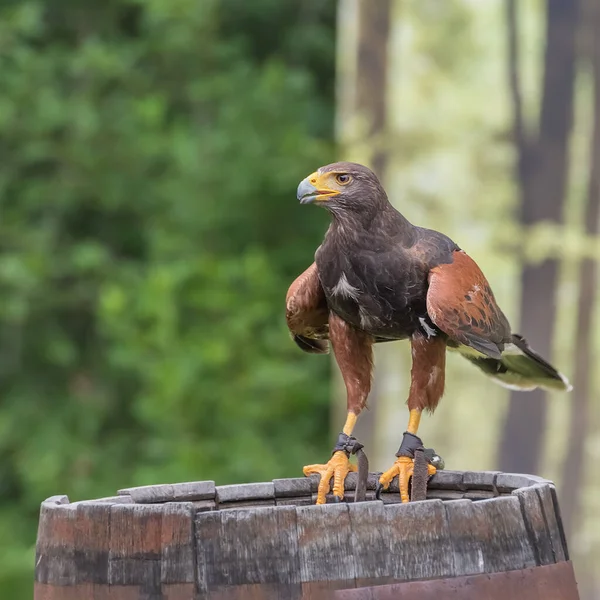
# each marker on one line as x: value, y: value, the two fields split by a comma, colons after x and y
x: 301, y: 491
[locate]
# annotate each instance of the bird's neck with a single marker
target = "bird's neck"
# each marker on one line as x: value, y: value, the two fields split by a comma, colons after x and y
x: 381, y: 222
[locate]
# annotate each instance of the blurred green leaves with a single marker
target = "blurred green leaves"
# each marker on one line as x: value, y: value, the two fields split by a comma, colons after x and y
x: 150, y: 152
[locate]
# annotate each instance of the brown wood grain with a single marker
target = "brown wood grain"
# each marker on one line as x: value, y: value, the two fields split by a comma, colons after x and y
x: 499, y: 526
x: 178, y: 559
x: 92, y: 546
x: 370, y: 541
x: 420, y: 543
x: 135, y: 546
x: 467, y: 544
x: 324, y: 543
x: 54, y: 560
x: 544, y: 492
x: 116, y: 549
x: 536, y: 525
x: 247, y: 548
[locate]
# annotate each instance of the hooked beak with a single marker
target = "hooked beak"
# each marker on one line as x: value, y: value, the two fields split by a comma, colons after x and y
x: 310, y: 190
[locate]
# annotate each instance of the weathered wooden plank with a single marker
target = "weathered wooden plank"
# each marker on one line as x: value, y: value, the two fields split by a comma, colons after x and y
x: 207, y: 532
x: 123, y: 499
x: 112, y: 548
x: 420, y: 544
x: 294, y: 501
x: 245, y: 492
x: 314, y: 482
x: 370, y: 542
x: 479, y: 495
x: 301, y: 486
x: 92, y: 543
x: 394, y: 497
x: 499, y: 525
x: 538, y: 479
x: 171, y: 492
x: 544, y: 493
x: 246, y: 547
x: 443, y: 494
x: 466, y: 544
x: 536, y: 525
x: 507, y: 482
x: 178, y: 559
x: 480, y: 480
x: 58, y: 499
x: 349, y: 496
x: 135, y: 548
x: 148, y: 494
x: 204, y: 505
x: 446, y: 480
x: 352, y: 478
x: 247, y: 504
x: 559, y: 523
x: 54, y: 561
x: 324, y: 544
x: 292, y: 488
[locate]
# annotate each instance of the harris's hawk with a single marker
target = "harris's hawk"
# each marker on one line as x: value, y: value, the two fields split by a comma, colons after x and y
x: 377, y: 277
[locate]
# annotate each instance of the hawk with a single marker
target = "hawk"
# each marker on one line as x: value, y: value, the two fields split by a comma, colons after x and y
x: 377, y: 277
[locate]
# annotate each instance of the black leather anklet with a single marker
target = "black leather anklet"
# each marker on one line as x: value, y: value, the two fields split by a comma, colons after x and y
x: 348, y: 444
x: 410, y: 443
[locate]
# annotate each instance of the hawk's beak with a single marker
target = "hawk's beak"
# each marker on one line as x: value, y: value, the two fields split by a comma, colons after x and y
x: 310, y: 190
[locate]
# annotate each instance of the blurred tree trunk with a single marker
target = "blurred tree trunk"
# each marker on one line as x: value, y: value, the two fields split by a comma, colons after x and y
x: 362, y: 121
x: 588, y: 286
x: 542, y: 166
x: 371, y: 75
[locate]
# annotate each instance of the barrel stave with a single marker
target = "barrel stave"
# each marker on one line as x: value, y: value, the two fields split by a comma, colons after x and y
x: 268, y: 540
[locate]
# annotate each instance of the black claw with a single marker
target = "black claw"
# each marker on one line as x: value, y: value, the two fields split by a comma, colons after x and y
x: 336, y: 499
x: 378, y: 490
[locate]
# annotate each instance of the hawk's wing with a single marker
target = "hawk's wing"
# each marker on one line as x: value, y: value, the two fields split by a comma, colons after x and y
x: 461, y: 303
x: 306, y: 312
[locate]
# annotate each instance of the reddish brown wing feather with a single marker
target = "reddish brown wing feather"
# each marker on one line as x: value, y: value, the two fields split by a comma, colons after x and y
x: 306, y: 312
x: 461, y: 303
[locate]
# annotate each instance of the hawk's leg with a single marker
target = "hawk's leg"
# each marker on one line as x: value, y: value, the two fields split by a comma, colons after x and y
x: 426, y: 389
x: 403, y: 467
x: 354, y: 355
x: 339, y: 464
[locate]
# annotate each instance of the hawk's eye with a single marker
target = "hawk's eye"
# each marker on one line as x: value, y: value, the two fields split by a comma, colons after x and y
x: 343, y: 178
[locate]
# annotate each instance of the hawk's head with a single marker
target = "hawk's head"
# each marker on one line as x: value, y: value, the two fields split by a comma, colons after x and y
x: 343, y: 187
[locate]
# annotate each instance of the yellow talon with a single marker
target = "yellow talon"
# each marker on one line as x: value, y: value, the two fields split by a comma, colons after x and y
x: 338, y: 467
x: 403, y: 467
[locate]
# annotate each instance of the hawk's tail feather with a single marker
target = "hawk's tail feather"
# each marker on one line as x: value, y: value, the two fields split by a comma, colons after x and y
x: 311, y: 345
x: 520, y: 368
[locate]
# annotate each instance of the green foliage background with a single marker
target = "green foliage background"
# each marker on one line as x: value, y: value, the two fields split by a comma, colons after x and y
x: 148, y: 233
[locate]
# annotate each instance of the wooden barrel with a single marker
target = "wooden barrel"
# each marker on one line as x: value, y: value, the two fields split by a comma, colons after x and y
x: 478, y: 535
